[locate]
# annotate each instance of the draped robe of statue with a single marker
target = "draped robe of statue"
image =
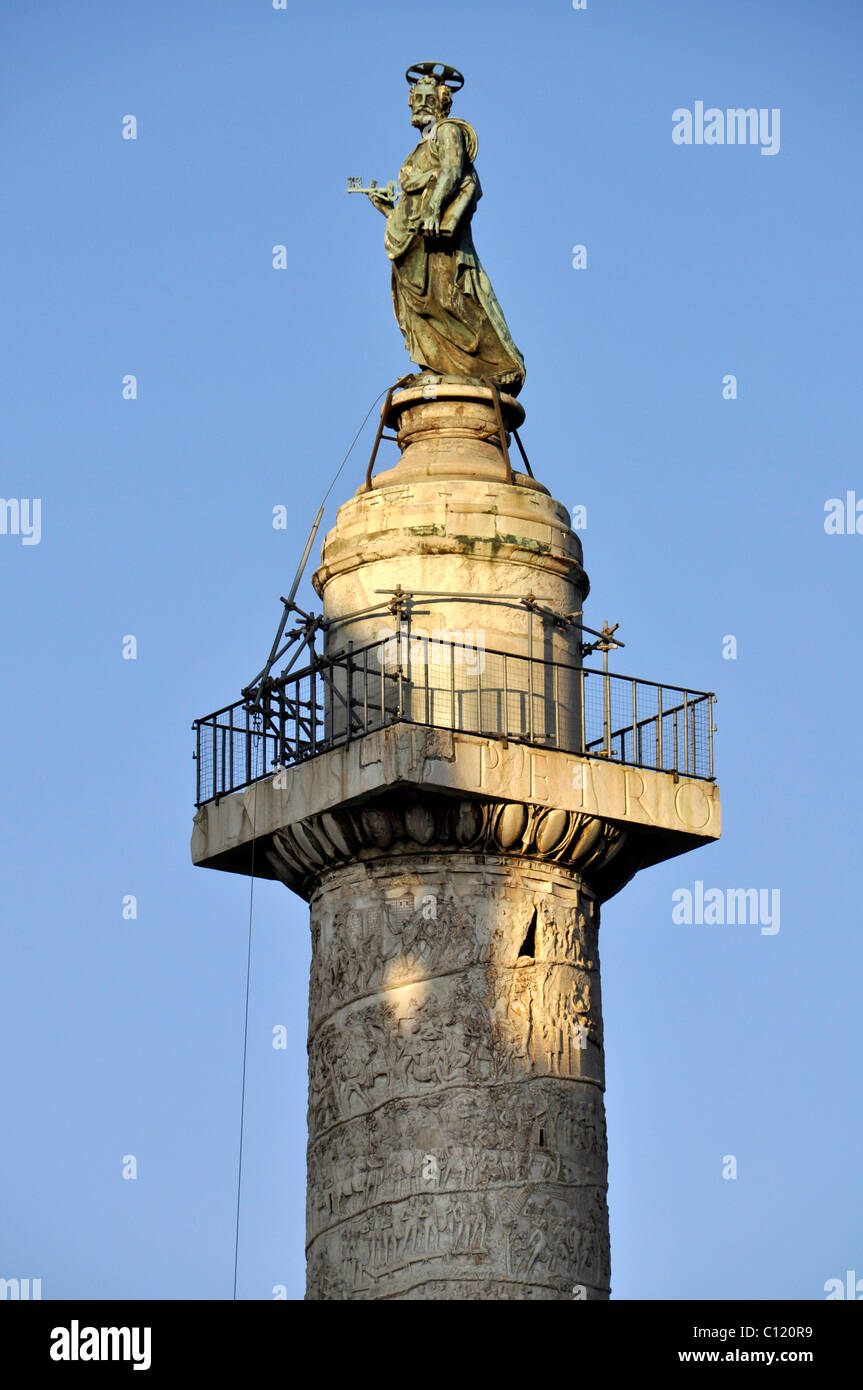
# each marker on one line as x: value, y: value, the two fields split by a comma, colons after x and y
x: 443, y: 299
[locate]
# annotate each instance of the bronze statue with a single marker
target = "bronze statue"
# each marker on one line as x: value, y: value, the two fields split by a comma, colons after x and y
x: 453, y: 326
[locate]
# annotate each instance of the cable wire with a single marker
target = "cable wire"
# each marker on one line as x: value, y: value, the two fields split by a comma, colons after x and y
x: 245, y: 1038
x: 251, y: 911
x: 353, y: 442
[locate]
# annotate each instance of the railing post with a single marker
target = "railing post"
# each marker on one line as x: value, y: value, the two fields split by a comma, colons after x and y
x: 454, y: 723
x: 410, y: 696
x: 505, y: 695
x: 583, y: 683
x: 710, y: 733
x: 531, y: 674
x: 693, y: 764
x: 635, y: 757
x: 349, y: 690
x: 659, y: 729
x: 330, y: 714
x: 606, y: 706
x: 686, y: 733
x: 400, y: 672
x: 365, y: 690
x: 313, y: 702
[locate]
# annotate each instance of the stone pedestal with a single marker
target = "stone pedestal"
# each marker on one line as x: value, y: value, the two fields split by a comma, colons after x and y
x: 449, y: 525
x: 489, y: 565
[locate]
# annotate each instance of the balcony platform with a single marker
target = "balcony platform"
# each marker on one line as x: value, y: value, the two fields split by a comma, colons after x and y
x: 555, y: 794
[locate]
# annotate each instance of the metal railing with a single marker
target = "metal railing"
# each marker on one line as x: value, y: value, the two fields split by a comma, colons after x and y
x: 421, y: 680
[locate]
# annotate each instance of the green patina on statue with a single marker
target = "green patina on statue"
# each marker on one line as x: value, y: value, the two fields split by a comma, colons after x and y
x: 453, y: 326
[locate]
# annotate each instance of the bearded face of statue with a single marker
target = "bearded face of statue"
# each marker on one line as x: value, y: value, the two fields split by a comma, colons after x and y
x: 427, y: 103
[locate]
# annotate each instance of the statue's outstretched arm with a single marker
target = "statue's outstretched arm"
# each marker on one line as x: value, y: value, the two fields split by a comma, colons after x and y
x: 382, y: 200
x: 383, y: 197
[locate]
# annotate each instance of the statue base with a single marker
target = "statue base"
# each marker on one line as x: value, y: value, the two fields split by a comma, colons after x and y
x: 451, y: 430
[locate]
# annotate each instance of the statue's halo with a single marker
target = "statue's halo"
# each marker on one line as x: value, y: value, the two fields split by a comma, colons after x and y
x: 450, y: 77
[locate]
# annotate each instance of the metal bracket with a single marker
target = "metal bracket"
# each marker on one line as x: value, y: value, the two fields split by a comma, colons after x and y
x: 521, y: 451
x: 495, y: 395
x: 381, y: 427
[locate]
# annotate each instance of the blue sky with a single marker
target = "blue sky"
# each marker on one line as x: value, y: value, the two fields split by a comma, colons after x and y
x: 705, y: 519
